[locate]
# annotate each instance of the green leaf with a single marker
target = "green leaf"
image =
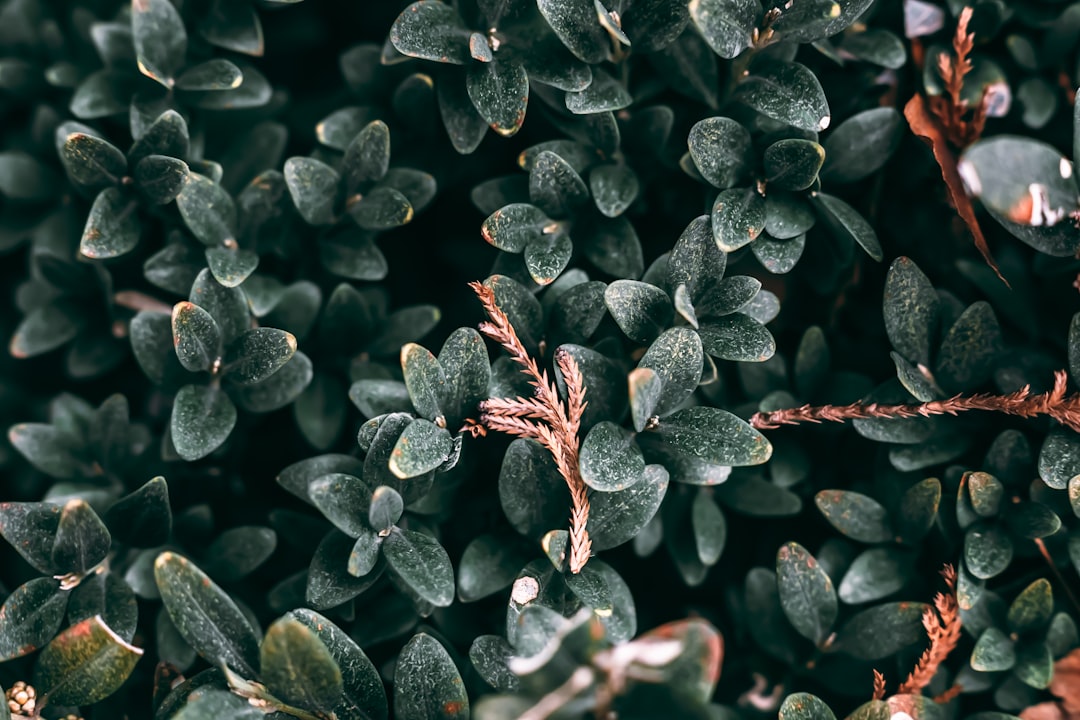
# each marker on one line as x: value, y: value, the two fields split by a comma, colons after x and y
x: 91, y: 162
x: 874, y: 574
x: 713, y: 435
x: 343, y: 499
x: 113, y: 226
x: 737, y: 337
x: 727, y: 26
x: 846, y: 221
x: 365, y: 553
x: 910, y: 308
x: 207, y: 209
x: 464, y: 126
x: 142, y: 518
x: 614, y: 187
x: 986, y: 492
x: 918, y: 510
x: 30, y: 617
x: 160, y: 179
x: 676, y: 357
x: 1032, y: 608
x: 239, y: 551
x: 882, y: 630
x: 216, y: 74
x: 709, y: 526
x: 500, y: 92
x: 862, y: 144
x: 617, y: 517
x: 196, y: 337
x: 987, y: 551
x: 578, y: 27
x: 231, y: 266
x: 514, y: 226
x: 969, y: 350
x: 1059, y: 458
x: 82, y: 540
x: 425, y: 380
x: 280, y: 389
x: 228, y: 306
x: 787, y: 92
x: 160, y: 39
x: 205, y: 616
x: 258, y: 354
x: 531, y: 491
x: 1034, y: 665
x: 84, y: 664
x: 298, y: 668
x: 431, y: 30
x: 721, y: 148
x: 793, y: 164
x: 804, y: 706
x: 787, y: 216
x: 612, y: 245
x: 367, y: 157
x: 490, y: 656
x: 1032, y: 520
x: 381, y: 209
x: 806, y: 592
x: 386, y: 508
x: 778, y: 256
x: 427, y: 684
x: 210, y: 703
x: 858, y: 516
x: 488, y: 565
x: 641, y: 310
x: 421, y: 563
x: 555, y: 186
x: 609, y: 459
x: 109, y: 596
x: 994, y: 652
x: 202, y: 418
x: 364, y: 696
x: 30, y: 528
x: 423, y: 447
x: 604, y: 94
x: 1027, y: 185
x: 313, y: 186
x: 23, y: 177
x: 546, y: 257
x: 47, y: 448
x: 43, y: 329
x: 167, y: 135
x: 738, y: 218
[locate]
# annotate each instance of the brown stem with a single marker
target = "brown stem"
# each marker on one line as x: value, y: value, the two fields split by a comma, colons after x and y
x: 543, y: 418
x: 1057, y: 573
x: 1022, y: 403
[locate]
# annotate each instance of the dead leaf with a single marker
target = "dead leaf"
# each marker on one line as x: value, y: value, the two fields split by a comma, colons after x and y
x: 926, y: 126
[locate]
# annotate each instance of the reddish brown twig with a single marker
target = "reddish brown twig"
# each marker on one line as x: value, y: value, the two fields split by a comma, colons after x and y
x: 879, y: 685
x: 543, y: 418
x: 942, y: 623
x: 1022, y: 403
x: 940, y: 121
x: 951, y: 110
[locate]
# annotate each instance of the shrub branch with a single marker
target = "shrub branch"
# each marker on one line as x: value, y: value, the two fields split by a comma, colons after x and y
x: 1022, y: 403
x: 543, y: 418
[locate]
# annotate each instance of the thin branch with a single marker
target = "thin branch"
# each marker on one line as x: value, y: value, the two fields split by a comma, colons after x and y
x: 879, y: 685
x: 1057, y: 573
x: 942, y: 623
x: 543, y: 418
x: 1022, y: 403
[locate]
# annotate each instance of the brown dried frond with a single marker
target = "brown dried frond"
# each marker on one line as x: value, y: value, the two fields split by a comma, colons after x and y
x: 940, y: 121
x: 942, y: 623
x: 543, y: 418
x: 879, y: 685
x: 1022, y: 403
x: 951, y: 110
x: 949, y: 694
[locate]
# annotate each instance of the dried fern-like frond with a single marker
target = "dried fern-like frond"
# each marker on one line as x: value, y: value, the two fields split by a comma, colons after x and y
x: 543, y: 418
x: 942, y: 624
x: 1022, y: 403
x: 879, y: 685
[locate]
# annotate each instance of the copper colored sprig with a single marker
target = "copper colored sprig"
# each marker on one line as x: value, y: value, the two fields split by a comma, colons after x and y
x: 951, y: 110
x: 942, y: 624
x: 543, y: 418
x: 1022, y: 403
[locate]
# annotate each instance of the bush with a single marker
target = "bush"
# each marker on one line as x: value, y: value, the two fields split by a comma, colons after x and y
x: 326, y: 402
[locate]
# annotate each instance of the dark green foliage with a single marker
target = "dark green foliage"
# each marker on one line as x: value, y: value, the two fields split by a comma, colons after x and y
x: 238, y: 235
